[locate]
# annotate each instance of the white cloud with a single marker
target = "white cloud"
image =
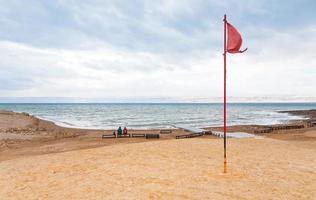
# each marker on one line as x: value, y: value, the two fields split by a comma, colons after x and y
x: 102, y: 72
x: 164, y: 50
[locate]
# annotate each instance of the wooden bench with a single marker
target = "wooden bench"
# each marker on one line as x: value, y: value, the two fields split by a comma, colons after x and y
x: 124, y: 136
x: 165, y: 131
x: 208, y: 132
x: 152, y: 136
x: 138, y: 135
x: 182, y: 136
x: 107, y: 136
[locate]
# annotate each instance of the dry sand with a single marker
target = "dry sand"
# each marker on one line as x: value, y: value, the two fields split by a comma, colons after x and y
x: 42, y: 161
x: 170, y: 169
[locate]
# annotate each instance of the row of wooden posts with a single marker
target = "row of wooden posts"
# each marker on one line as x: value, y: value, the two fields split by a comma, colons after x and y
x: 285, y: 127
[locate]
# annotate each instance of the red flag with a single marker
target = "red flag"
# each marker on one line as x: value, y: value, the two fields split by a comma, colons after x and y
x: 231, y: 45
x: 234, y: 40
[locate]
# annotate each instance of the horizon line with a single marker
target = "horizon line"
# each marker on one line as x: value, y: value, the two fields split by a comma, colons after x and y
x: 241, y: 102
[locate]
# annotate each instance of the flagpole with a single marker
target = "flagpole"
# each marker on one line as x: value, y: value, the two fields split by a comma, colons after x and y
x: 224, y: 54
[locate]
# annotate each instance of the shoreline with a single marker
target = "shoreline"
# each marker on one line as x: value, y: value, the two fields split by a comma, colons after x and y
x: 22, y: 134
x: 297, y: 113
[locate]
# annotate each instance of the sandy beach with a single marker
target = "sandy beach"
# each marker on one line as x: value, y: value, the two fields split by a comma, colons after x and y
x: 157, y: 100
x: 24, y: 135
x: 39, y: 160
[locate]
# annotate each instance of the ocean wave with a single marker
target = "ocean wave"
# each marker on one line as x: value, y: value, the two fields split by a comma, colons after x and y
x: 144, y: 116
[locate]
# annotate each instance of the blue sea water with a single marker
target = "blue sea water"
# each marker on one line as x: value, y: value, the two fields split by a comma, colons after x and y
x: 156, y: 115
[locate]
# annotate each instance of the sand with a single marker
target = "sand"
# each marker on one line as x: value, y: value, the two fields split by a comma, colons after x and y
x: 276, y: 166
x: 22, y: 135
x: 171, y: 169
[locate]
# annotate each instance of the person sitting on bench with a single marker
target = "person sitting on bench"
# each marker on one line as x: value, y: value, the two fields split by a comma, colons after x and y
x: 125, y: 131
x: 119, y: 131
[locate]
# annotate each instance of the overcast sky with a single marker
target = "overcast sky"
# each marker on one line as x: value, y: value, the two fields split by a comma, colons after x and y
x: 155, y: 51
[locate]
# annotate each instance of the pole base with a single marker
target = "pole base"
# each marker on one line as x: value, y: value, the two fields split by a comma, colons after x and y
x: 225, y: 166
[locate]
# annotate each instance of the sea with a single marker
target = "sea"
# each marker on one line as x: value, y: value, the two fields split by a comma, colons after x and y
x: 158, y: 115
